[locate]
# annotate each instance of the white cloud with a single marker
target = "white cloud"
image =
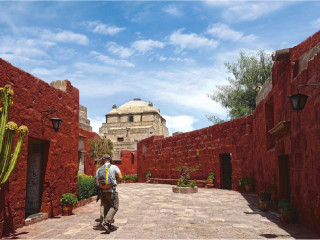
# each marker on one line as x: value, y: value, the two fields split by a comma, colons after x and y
x: 222, y: 31
x: 251, y: 11
x: 176, y: 59
x: 43, y: 72
x: 181, y: 123
x: 118, y: 50
x: 96, y: 123
x: 191, y: 41
x: 67, y: 36
x: 109, y: 61
x: 146, y: 45
x: 316, y: 23
x: 172, y: 10
x: 97, y: 27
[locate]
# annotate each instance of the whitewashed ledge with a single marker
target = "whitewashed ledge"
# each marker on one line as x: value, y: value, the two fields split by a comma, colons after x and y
x: 185, y: 190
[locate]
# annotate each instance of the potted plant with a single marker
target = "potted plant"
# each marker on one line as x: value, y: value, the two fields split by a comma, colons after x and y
x: 210, y: 178
x: 286, y: 210
x: 248, y: 184
x: 148, y: 176
x: 184, y: 184
x: 265, y: 202
x: 68, y: 201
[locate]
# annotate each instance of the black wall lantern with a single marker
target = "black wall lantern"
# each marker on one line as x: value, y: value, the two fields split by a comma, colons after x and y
x: 299, y: 100
x: 56, y: 122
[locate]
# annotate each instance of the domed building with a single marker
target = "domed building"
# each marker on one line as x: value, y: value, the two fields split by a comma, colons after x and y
x: 131, y: 122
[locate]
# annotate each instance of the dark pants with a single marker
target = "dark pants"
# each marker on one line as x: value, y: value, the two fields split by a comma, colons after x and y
x: 109, y: 206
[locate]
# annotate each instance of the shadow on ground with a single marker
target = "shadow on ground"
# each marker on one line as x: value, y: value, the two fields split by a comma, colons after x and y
x: 274, y: 216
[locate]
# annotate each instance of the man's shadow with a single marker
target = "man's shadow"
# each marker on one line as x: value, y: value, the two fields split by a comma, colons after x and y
x: 98, y: 227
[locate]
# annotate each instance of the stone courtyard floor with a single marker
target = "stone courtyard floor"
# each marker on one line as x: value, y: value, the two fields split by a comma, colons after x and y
x: 153, y: 211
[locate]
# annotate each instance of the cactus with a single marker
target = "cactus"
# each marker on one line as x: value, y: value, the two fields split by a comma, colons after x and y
x: 8, y: 160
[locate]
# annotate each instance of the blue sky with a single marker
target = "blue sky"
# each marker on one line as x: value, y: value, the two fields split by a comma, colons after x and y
x: 170, y: 53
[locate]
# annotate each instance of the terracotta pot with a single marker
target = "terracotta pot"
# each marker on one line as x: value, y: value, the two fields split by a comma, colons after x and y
x: 248, y: 187
x: 209, y: 181
x: 266, y: 205
x: 67, y: 210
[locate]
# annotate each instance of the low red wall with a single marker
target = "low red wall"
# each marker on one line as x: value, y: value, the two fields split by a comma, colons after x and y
x: 128, y: 164
x: 89, y: 164
x: 161, y: 156
x: 291, y: 156
x: 60, y: 162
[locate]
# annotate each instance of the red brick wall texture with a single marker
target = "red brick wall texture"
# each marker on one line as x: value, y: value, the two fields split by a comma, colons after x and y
x: 128, y: 164
x: 60, y: 158
x: 254, y: 152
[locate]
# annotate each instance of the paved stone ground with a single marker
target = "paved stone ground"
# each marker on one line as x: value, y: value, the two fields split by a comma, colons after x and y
x: 153, y: 211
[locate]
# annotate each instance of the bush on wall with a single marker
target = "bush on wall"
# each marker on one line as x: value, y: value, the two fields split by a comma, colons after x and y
x: 86, y: 186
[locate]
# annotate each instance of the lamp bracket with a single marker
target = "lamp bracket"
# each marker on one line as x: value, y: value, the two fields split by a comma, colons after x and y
x: 46, y: 113
x: 309, y: 85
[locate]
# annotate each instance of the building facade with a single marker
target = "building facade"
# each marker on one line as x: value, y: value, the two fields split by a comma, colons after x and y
x: 131, y: 122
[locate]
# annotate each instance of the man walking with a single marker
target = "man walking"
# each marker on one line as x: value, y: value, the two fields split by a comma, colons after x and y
x: 109, y: 195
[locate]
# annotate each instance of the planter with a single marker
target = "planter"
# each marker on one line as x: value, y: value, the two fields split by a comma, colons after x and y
x: 248, y: 187
x: 290, y: 217
x: 209, y: 181
x: 185, y: 190
x: 67, y: 210
x: 266, y: 205
x: 265, y: 196
x: 129, y: 181
x: 147, y: 180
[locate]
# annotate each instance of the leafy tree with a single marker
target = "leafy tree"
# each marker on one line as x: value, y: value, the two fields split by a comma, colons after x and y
x: 239, y: 97
x: 99, y: 147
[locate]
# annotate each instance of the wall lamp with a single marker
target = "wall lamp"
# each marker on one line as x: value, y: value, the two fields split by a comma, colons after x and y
x: 56, y: 122
x: 299, y: 100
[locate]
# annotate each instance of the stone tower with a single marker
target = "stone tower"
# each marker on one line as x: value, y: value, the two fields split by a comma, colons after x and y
x: 131, y: 122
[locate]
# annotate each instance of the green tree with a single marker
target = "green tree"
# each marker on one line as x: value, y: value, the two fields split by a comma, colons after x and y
x: 239, y: 97
x: 99, y: 147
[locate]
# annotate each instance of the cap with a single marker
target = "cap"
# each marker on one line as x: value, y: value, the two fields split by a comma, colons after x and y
x: 106, y: 157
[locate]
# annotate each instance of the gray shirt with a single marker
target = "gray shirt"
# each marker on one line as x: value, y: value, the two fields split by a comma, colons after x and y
x: 113, y: 170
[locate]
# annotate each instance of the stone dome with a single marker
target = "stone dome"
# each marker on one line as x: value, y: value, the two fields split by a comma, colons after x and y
x: 133, y: 107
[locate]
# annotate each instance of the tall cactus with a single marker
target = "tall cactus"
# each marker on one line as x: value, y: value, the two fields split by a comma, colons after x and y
x: 8, y: 160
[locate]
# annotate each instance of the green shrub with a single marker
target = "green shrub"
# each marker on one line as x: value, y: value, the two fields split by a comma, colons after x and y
x: 182, y: 183
x: 86, y: 186
x: 148, y: 175
x: 211, y: 176
x: 68, y: 199
x: 284, y: 206
x: 130, y: 177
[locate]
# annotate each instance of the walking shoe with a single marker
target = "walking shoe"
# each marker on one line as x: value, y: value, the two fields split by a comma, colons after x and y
x: 106, y: 227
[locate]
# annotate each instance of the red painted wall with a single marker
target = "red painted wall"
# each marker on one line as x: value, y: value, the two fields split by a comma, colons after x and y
x: 128, y: 164
x: 254, y: 151
x: 161, y: 155
x: 60, y: 166
x: 89, y: 164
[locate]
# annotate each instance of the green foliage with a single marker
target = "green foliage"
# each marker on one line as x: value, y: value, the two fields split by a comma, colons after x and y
x: 182, y: 183
x: 148, y: 175
x: 239, y: 97
x: 246, y: 181
x: 211, y: 176
x: 86, y: 186
x: 130, y: 177
x: 185, y: 173
x: 284, y: 206
x: 8, y: 160
x: 99, y: 147
x: 69, y: 199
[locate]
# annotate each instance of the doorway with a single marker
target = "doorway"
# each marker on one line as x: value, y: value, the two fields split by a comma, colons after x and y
x: 226, y: 171
x: 35, y: 173
x: 284, y: 177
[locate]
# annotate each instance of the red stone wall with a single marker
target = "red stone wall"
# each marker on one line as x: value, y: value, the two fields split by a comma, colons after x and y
x: 254, y: 151
x: 128, y: 164
x: 89, y: 164
x: 31, y: 96
x: 161, y: 155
